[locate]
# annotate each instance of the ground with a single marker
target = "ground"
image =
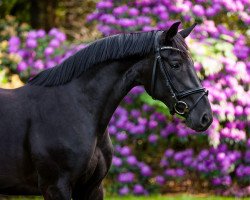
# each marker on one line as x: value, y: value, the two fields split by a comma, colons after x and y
x: 169, y: 197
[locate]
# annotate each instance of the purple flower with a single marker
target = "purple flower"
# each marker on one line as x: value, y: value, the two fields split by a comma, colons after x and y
x: 107, y: 18
x: 187, y: 18
x: 140, y: 129
x: 170, y: 172
x: 160, y: 180
x: 182, y: 132
x: 131, y: 160
x: 53, y: 32
x: 143, y: 3
x: 128, y: 99
x: 152, y: 124
x: 201, y: 167
x: 147, y: 108
x: 164, y: 133
x: 178, y: 156
x: 216, y: 181
x: 116, y: 161
x: 164, y: 162
x: 23, y: 53
x: 187, y: 161
x: 137, y: 90
x: 210, y: 12
x: 138, y: 189
x: 14, y: 44
x: 160, y: 117
x: 185, y: 7
x: 226, y: 180
x: 112, y: 130
x: 248, y: 143
x: 198, y: 10
x: 247, y: 156
x: 50, y: 64
x: 221, y: 156
x: 247, y: 170
x: 180, y: 172
x: 146, y: 10
x: 120, y: 10
x: 121, y: 136
x: 104, y: 5
x: 247, y: 112
x: 125, y: 151
x: 124, y: 190
x: 171, y: 128
x: 126, y: 177
x: 203, y: 154
x: 142, y: 121
x: 169, y: 153
x: 39, y: 65
x: 164, y: 16
x: 153, y: 138
x: 159, y: 9
x: 22, y: 66
x: 188, y: 152
x: 133, y: 12
x: 48, y: 51
x: 32, y: 35
x: 135, y: 113
x: 54, y: 43
x: 146, y: 171
x: 174, y: 9
x: 126, y: 22
x: 40, y: 33
x: 61, y: 36
x: 31, y: 43
x: 238, y: 110
x: 212, y: 167
x: 93, y: 16
x: 120, y: 123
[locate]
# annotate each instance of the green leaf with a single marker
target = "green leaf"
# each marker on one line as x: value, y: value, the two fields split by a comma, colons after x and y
x: 160, y: 107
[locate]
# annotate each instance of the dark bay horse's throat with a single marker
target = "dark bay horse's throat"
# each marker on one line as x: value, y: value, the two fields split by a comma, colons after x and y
x: 106, y: 86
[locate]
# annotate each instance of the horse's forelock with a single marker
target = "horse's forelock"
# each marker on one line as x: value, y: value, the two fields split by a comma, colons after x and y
x: 179, y: 42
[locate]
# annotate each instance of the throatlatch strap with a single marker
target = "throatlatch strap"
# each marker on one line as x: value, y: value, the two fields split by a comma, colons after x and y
x: 153, y: 76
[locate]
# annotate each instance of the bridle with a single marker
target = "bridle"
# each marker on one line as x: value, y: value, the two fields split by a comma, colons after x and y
x: 180, y: 107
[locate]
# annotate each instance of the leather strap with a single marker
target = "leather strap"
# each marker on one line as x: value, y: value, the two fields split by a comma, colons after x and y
x: 176, y: 95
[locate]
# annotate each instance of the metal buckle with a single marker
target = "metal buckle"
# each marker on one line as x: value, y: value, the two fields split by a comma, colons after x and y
x: 182, y: 104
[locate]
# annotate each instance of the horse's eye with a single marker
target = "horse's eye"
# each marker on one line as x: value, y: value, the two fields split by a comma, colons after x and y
x: 175, y: 66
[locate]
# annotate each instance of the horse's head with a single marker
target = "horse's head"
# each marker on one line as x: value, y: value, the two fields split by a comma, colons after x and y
x: 171, y: 78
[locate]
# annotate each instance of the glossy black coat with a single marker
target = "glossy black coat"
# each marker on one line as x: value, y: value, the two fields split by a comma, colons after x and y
x: 54, y: 140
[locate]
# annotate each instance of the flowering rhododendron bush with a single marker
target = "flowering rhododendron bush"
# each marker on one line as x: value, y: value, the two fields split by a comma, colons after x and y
x: 39, y: 50
x: 155, y: 152
x: 27, y: 52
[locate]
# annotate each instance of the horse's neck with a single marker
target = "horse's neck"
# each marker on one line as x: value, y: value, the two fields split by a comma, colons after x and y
x: 104, y: 88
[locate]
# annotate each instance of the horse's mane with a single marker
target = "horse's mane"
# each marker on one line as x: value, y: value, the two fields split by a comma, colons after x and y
x: 109, y: 48
x: 106, y: 49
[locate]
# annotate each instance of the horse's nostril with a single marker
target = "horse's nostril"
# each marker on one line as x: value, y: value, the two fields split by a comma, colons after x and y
x: 205, y: 119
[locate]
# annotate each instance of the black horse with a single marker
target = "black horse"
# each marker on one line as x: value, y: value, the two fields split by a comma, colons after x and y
x: 53, y: 130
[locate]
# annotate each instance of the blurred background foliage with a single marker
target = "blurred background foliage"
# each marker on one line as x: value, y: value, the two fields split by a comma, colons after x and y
x: 154, y: 152
x: 70, y: 15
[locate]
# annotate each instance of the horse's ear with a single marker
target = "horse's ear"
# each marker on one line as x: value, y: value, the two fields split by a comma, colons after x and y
x: 185, y: 32
x: 171, y: 32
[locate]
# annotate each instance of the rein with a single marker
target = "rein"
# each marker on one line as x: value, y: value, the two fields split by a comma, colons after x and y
x: 180, y: 107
